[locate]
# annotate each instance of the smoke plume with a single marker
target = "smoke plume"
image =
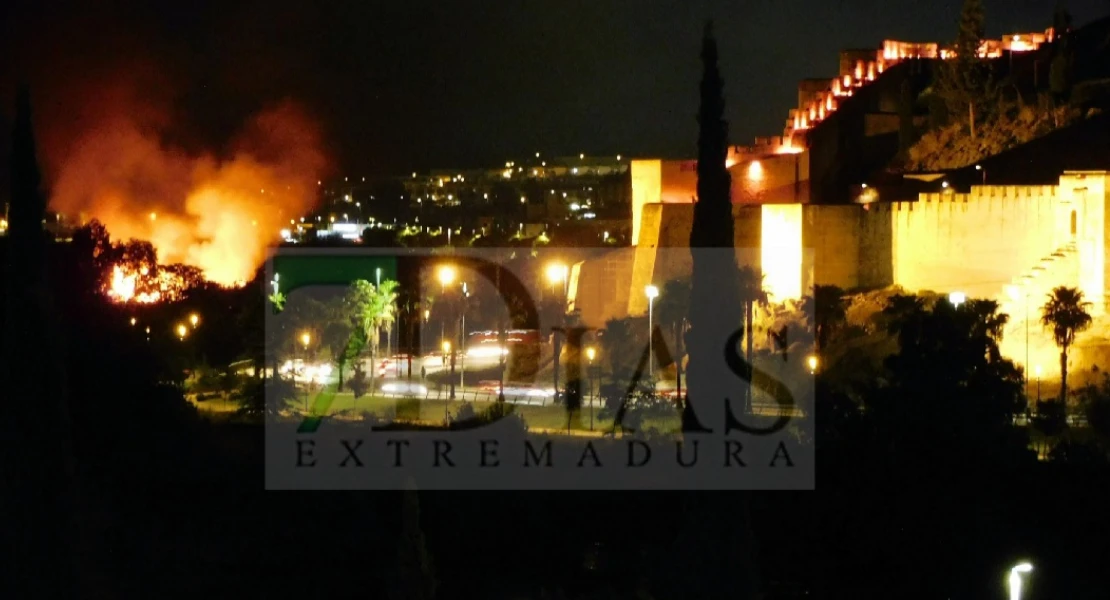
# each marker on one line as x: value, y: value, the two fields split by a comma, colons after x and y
x: 217, y: 211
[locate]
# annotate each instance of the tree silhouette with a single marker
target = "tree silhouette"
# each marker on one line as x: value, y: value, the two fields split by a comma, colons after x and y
x: 36, y: 493
x: 713, y: 552
x: 826, y: 311
x: 949, y: 389
x: 1065, y: 314
x: 965, y: 82
x: 714, y: 295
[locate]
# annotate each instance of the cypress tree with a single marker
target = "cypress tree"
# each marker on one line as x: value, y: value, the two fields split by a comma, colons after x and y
x: 965, y: 82
x: 1060, y: 70
x: 714, y: 296
x: 37, y: 468
x: 712, y: 555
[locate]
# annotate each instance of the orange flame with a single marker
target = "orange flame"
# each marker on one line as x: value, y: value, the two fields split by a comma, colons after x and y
x: 215, y: 214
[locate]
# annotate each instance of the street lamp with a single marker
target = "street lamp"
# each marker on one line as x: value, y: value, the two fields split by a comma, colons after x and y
x: 305, y: 339
x: 812, y: 362
x: 652, y: 293
x: 446, y: 276
x: 957, y: 298
x: 181, y: 331
x: 591, y: 353
x: 194, y: 319
x: 1015, y: 579
x: 557, y: 273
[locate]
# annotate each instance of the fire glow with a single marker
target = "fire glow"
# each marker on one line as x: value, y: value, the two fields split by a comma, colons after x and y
x: 215, y: 212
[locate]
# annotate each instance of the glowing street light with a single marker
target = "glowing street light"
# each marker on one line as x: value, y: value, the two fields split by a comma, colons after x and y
x: 446, y: 276
x: 306, y: 338
x: 1015, y: 579
x: 446, y: 347
x: 557, y: 273
x: 812, y: 362
x: 957, y: 298
x: 591, y: 354
x: 133, y: 321
x: 194, y: 320
x: 181, y: 331
x: 652, y: 293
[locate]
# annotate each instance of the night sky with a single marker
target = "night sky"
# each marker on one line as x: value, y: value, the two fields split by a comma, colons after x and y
x: 419, y: 84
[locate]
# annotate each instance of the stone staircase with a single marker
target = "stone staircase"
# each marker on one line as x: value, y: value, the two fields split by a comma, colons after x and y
x: 1022, y: 300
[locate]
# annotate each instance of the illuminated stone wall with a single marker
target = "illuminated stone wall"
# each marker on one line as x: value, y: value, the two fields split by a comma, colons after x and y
x: 974, y: 243
x: 663, y: 253
x: 603, y: 287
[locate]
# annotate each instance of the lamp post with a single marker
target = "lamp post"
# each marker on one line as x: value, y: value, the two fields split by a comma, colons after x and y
x: 980, y: 167
x: 812, y: 362
x: 462, y: 342
x: 652, y: 293
x: 957, y: 298
x: 451, y: 378
x: 557, y: 273
x: 1038, y: 371
x: 306, y: 338
x: 194, y: 320
x: 1015, y: 579
x: 591, y: 354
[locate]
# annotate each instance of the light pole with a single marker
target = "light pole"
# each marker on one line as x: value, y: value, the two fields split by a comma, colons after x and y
x: 812, y: 363
x: 462, y: 341
x: 194, y: 320
x: 1015, y: 579
x: 1038, y: 371
x: 957, y: 298
x: 557, y: 273
x: 652, y: 293
x: 590, y: 354
x: 427, y: 315
x: 305, y: 339
x: 451, y: 378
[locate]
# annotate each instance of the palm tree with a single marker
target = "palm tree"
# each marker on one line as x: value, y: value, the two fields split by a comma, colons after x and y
x: 1065, y: 313
x: 387, y: 304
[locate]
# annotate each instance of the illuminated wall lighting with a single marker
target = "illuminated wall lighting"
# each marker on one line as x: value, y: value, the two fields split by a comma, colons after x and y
x: 782, y: 250
x: 755, y: 171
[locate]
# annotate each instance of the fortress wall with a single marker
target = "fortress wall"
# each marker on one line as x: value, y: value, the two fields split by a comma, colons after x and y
x: 776, y: 179
x: 663, y: 253
x: 781, y: 248
x: 833, y: 235
x: 604, y: 284
x: 647, y: 179
x: 975, y: 243
x: 876, y: 244
x: 1086, y: 195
